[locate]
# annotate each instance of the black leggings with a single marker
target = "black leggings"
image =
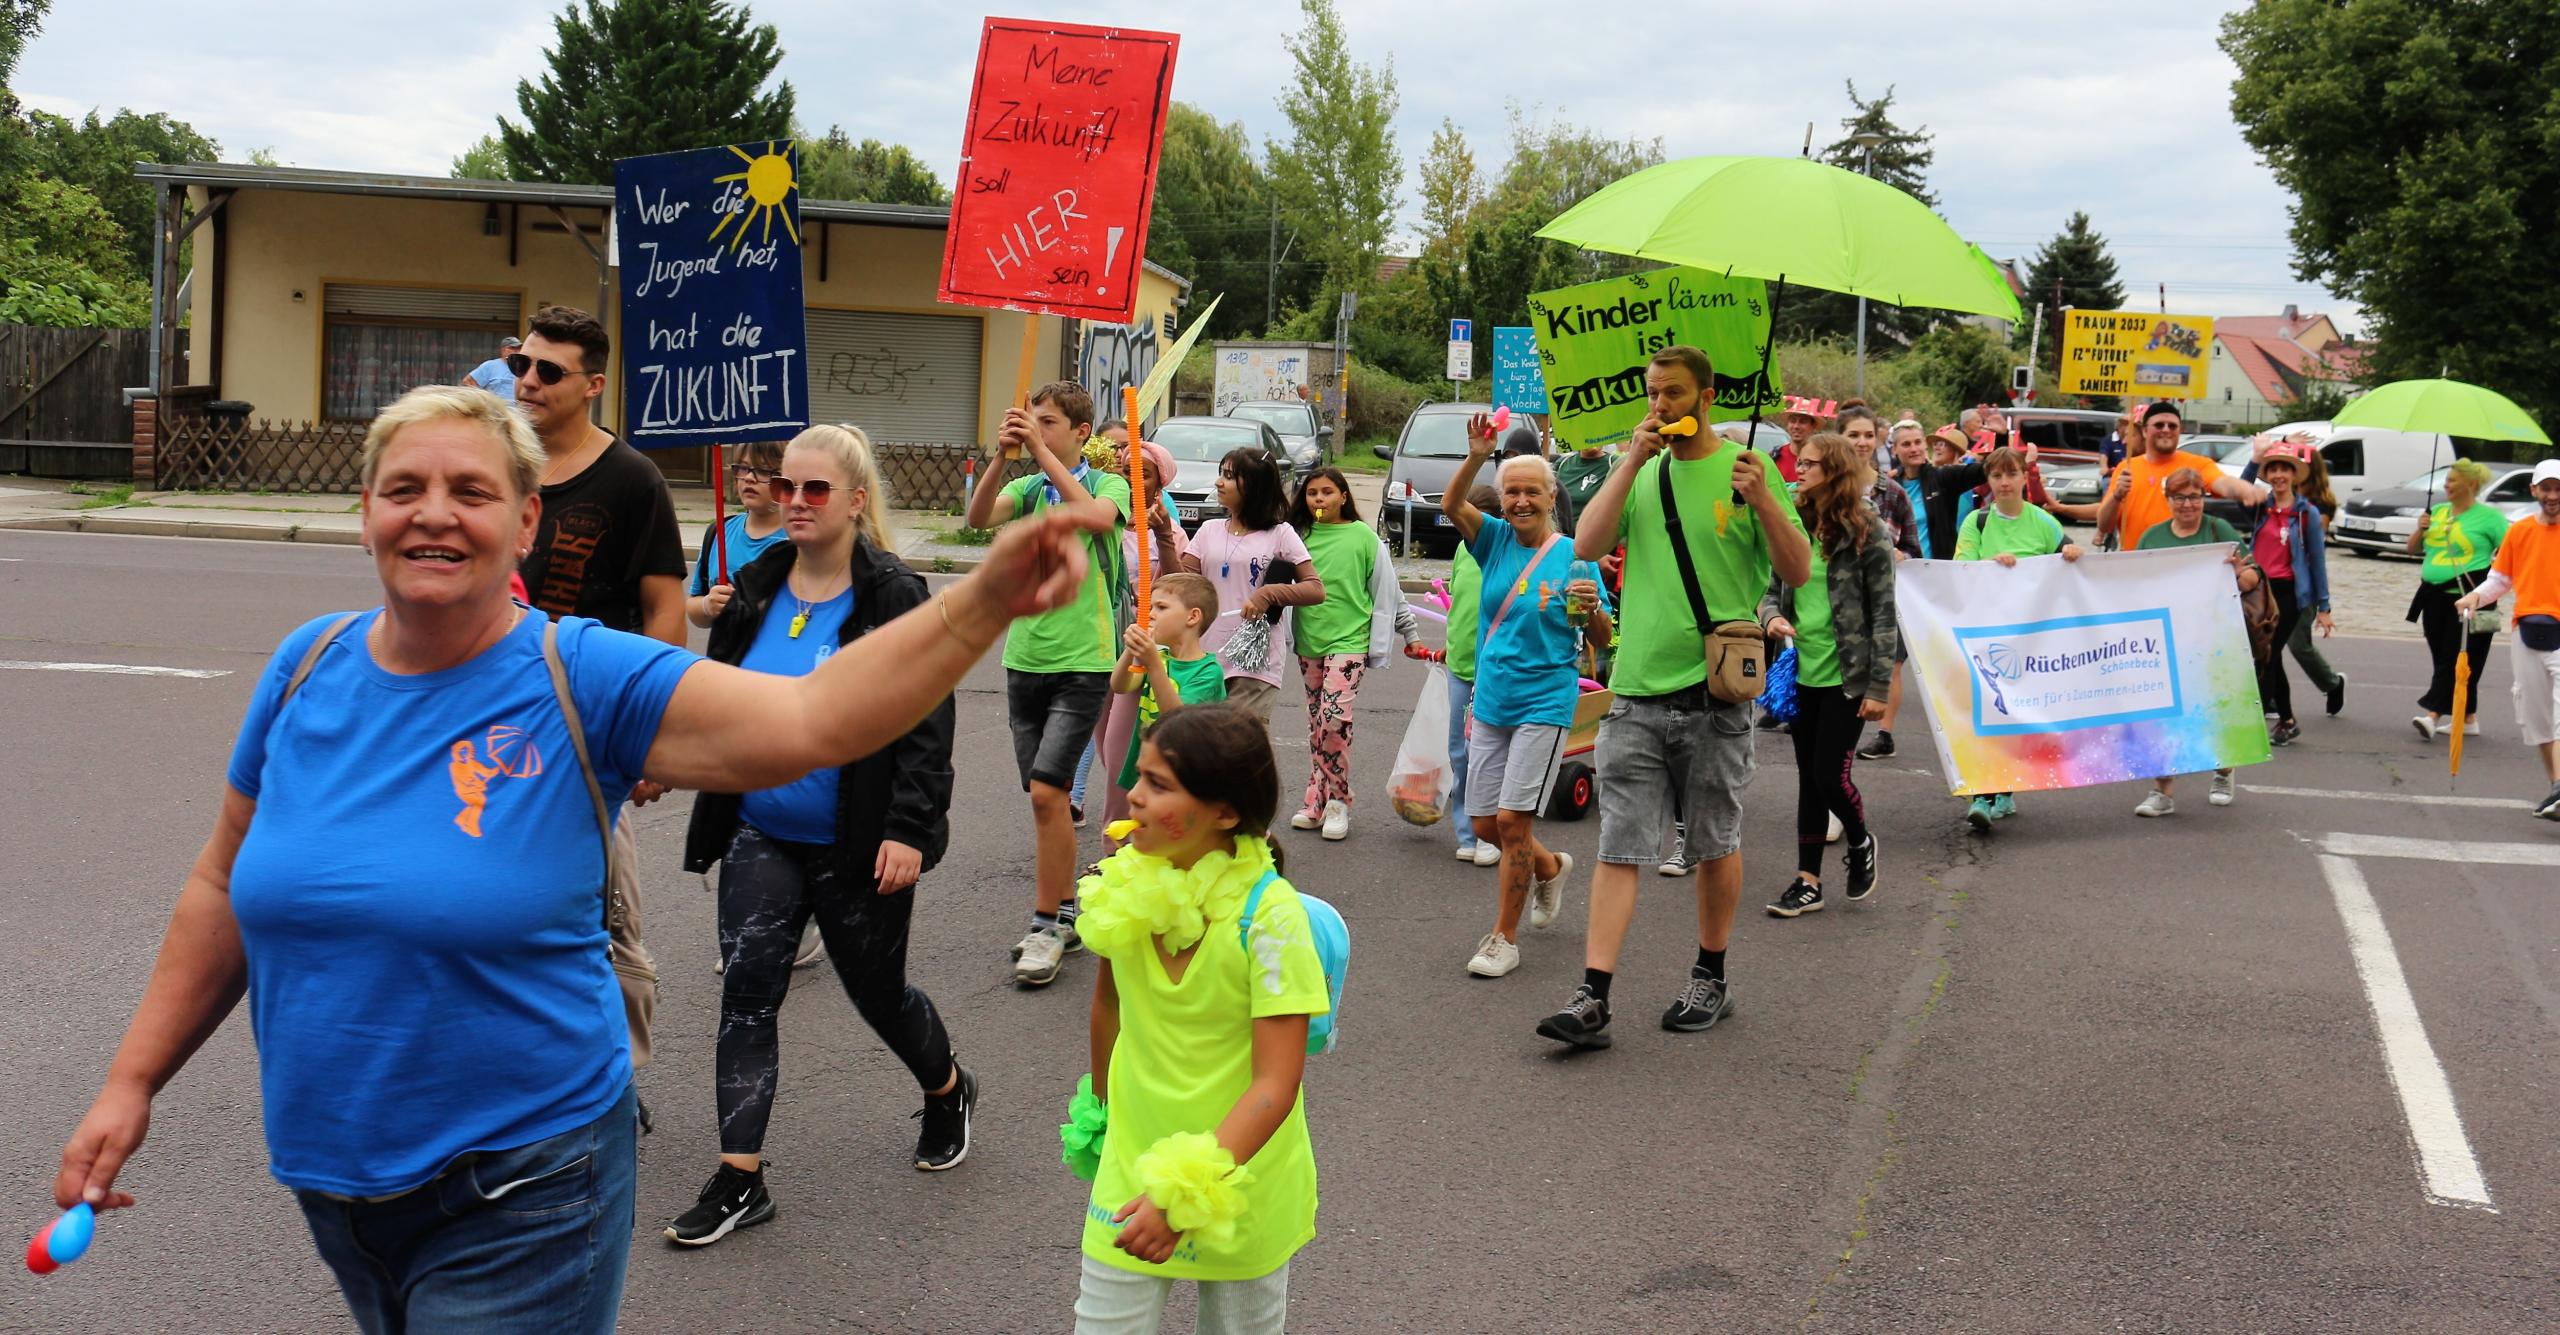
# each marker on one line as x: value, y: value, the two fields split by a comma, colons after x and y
x: 2275, y: 689
x: 1826, y: 736
x: 2446, y: 640
x: 768, y: 891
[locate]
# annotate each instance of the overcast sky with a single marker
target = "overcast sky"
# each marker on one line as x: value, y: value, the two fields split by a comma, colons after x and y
x: 2038, y: 109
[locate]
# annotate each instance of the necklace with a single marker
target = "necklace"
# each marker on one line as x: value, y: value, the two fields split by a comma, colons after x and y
x: 800, y: 622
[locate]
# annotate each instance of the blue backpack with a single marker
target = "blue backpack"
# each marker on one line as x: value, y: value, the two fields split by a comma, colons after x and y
x: 1333, y: 951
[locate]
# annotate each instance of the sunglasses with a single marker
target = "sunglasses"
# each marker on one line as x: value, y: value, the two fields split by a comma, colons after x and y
x: 815, y: 491
x: 750, y: 473
x: 2160, y: 426
x: 518, y: 364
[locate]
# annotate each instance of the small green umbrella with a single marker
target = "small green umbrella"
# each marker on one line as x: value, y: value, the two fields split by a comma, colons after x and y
x: 1790, y: 220
x: 2444, y: 407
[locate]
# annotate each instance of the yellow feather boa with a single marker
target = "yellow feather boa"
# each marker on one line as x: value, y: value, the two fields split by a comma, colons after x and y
x: 1198, y: 1185
x: 1139, y: 896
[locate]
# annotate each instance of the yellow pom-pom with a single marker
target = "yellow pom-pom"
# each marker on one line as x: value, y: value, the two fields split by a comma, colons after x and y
x: 1197, y: 1183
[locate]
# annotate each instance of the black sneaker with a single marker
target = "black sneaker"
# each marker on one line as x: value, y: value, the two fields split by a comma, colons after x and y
x: 1861, y: 859
x: 944, y: 1140
x: 2550, y: 806
x: 733, y: 1199
x: 1800, y: 897
x: 1067, y: 915
x: 2283, y: 733
x: 1584, y: 1021
x: 2337, y: 695
x: 1876, y: 747
x: 1701, y: 1003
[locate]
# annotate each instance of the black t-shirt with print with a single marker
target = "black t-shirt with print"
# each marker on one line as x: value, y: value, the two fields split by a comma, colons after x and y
x: 601, y: 533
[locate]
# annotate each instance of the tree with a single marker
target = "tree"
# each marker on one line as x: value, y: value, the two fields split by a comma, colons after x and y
x: 832, y: 166
x: 632, y: 77
x: 2432, y: 207
x: 1451, y: 187
x: 1213, y: 217
x: 98, y: 156
x: 1338, y: 177
x: 1901, y: 159
x: 2073, y: 269
x: 485, y: 160
x: 1966, y: 364
x: 63, y: 259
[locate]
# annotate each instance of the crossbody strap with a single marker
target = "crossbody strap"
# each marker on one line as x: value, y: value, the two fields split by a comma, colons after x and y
x: 586, y: 763
x: 1680, y: 548
x: 1244, y: 923
x: 311, y: 657
x: 1521, y: 583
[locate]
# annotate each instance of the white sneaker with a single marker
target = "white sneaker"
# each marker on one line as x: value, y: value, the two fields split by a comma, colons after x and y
x: 1494, y: 957
x: 1547, y: 896
x: 2426, y: 726
x: 1337, y: 821
x: 1037, y: 957
x: 1467, y: 853
x: 1304, y: 820
x: 2221, y: 794
x: 1833, y: 836
x: 2471, y: 728
x: 2156, y: 804
x: 1487, y: 854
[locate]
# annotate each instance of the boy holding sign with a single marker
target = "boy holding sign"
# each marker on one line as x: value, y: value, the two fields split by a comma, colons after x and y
x: 1057, y: 664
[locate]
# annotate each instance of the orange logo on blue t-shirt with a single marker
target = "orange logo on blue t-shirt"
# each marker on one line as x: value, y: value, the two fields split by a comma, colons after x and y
x: 511, y: 754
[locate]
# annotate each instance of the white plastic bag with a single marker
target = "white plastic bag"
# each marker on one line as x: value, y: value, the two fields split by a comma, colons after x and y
x: 1419, y: 786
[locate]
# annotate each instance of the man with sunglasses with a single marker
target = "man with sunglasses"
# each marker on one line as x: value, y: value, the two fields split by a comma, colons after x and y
x: 1057, y: 665
x: 2136, y: 498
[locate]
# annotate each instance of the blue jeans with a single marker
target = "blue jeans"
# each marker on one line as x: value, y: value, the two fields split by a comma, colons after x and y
x: 1462, y: 699
x: 526, y: 1241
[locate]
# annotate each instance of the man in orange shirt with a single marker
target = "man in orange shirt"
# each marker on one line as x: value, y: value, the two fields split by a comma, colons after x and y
x: 2529, y: 563
x: 2135, y: 500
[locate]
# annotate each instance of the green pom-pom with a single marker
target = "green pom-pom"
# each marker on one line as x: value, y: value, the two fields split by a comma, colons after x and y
x: 1080, y: 1136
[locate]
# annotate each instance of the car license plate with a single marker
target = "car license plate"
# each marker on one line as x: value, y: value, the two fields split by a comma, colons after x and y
x: 1440, y: 521
x: 2356, y: 526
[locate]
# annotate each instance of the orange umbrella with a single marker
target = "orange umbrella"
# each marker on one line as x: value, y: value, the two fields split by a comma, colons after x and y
x: 2461, y: 697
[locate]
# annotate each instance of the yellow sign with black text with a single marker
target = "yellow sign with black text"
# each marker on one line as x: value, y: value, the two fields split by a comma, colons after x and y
x: 2137, y: 354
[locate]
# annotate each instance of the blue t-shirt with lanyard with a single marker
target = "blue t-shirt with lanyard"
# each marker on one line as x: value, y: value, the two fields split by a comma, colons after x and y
x: 1525, y: 668
x: 742, y: 549
x: 421, y: 898
x: 804, y: 810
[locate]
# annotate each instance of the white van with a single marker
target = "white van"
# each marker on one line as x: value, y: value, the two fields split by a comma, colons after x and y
x: 2364, y: 458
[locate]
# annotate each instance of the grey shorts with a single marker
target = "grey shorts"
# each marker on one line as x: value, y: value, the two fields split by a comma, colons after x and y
x: 1511, y: 769
x: 1653, y: 750
x: 1052, y: 714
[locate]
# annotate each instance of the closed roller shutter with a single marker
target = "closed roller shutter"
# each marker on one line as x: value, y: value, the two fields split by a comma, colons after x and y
x: 417, y: 303
x: 899, y: 377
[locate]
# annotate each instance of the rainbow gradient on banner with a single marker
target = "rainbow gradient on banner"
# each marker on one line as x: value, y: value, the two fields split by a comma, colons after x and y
x: 2051, y: 674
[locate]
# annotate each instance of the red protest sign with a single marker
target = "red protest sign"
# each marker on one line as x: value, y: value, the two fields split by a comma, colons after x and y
x: 1058, y: 170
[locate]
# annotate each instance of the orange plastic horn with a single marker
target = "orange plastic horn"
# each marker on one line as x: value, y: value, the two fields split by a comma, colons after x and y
x: 1138, y: 502
x: 1686, y: 426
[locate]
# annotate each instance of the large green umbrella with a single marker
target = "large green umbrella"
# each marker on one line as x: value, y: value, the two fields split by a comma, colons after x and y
x: 2444, y: 407
x: 1790, y: 220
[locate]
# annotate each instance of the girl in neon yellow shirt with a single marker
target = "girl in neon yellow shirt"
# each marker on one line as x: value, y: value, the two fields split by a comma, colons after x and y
x: 1192, y: 1125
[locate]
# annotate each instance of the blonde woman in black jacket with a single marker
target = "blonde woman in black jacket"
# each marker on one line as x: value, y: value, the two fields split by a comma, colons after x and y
x: 844, y: 846
x: 1842, y: 621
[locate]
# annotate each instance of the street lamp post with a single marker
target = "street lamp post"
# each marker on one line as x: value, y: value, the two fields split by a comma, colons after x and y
x: 1868, y: 141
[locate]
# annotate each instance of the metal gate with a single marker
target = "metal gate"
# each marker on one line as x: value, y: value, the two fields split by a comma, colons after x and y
x: 899, y: 377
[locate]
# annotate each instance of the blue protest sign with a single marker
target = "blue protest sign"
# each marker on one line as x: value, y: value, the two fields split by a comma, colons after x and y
x: 714, y: 350
x: 1519, y: 383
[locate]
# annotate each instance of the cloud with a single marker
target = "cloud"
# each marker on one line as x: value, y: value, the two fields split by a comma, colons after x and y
x: 2123, y: 114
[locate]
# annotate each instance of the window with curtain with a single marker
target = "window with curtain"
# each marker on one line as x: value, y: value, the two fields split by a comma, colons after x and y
x: 381, y: 342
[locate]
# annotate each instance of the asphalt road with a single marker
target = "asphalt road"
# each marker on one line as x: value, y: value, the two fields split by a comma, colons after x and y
x: 2091, y: 1073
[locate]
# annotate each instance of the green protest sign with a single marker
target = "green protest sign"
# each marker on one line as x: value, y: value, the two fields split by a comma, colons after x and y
x: 1594, y: 340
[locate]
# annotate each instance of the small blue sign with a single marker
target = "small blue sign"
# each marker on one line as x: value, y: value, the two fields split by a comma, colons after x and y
x: 1462, y: 331
x: 714, y: 344
x: 1519, y: 382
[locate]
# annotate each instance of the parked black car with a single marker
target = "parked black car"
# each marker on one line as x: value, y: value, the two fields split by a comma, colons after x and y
x: 1301, y: 431
x: 1197, y: 444
x: 1423, y: 459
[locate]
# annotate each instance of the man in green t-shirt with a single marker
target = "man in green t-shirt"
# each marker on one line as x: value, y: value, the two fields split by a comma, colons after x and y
x: 1057, y: 665
x: 1667, y: 737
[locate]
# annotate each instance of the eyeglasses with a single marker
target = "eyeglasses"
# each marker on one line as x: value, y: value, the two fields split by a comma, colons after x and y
x: 750, y: 473
x: 815, y: 491
x: 518, y: 364
x: 2186, y: 498
x: 1808, y: 461
x: 2159, y: 426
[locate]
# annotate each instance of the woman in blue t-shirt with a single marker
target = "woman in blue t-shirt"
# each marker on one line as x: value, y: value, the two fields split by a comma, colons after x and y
x: 1533, y: 607
x: 843, y: 847
x: 406, y: 881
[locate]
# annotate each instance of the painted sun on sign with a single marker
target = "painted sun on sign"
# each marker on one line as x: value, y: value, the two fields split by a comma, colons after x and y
x: 768, y: 186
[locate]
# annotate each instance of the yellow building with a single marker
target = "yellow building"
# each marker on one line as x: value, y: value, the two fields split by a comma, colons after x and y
x: 318, y: 296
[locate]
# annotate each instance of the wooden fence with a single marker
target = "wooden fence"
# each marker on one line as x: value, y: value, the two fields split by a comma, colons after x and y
x: 200, y: 453
x: 68, y: 384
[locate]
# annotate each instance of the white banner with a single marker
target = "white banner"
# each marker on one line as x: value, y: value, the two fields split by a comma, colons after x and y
x: 2055, y: 674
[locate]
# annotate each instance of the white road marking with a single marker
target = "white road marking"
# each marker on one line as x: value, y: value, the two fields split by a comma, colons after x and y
x: 2422, y: 799
x: 117, y: 669
x: 2448, y: 1172
x: 2438, y: 850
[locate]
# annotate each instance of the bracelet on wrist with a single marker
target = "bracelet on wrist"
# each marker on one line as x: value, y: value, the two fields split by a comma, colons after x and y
x: 1197, y: 1183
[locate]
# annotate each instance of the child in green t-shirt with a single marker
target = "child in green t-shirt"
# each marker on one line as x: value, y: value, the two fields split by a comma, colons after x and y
x: 1194, y: 1129
x: 1164, y: 665
x: 1340, y: 639
x: 2003, y: 531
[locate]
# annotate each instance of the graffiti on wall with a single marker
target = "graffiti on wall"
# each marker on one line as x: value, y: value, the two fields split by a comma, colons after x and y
x: 873, y: 373
x: 1117, y: 357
